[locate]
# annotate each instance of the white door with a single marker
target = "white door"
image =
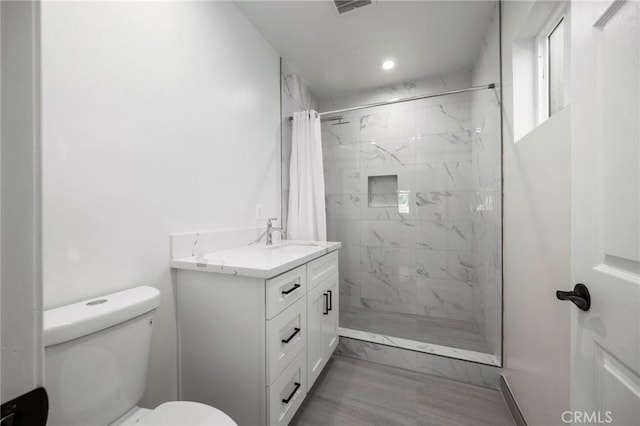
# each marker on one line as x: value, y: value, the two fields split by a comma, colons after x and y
x: 605, y: 108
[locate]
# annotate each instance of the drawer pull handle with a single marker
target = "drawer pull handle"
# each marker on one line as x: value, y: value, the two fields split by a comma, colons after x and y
x: 330, y: 307
x: 295, y: 389
x: 294, y: 288
x: 288, y: 339
x: 325, y: 308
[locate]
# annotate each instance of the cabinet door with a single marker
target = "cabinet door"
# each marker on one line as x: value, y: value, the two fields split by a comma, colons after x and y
x: 330, y: 321
x: 316, y: 312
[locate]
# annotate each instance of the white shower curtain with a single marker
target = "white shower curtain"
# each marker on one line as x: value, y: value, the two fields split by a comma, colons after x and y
x: 307, y: 216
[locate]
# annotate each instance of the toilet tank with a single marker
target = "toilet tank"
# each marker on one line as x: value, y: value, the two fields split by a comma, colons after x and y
x: 97, y: 356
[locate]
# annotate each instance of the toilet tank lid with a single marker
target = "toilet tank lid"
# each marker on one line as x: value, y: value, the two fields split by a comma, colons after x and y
x: 92, y: 315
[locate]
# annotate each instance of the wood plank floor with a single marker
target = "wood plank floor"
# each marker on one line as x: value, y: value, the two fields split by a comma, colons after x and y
x: 355, y: 392
x: 440, y: 331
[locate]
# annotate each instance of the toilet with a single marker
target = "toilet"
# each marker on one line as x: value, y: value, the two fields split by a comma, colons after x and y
x: 96, y: 360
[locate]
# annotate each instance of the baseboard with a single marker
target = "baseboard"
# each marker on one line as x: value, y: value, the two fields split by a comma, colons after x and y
x: 511, y: 402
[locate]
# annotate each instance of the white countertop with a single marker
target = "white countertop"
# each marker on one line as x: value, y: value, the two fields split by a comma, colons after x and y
x: 259, y: 260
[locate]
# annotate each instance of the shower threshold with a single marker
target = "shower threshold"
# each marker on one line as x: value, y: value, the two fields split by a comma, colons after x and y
x: 457, y: 338
x: 429, y: 348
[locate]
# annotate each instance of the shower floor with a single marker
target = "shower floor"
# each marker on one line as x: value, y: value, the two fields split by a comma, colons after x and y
x: 454, y: 333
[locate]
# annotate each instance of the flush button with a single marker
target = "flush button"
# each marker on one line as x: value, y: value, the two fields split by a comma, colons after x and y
x: 96, y: 302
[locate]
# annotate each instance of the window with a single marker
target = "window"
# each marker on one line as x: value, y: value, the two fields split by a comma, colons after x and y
x: 540, y: 58
x: 555, y: 41
x: 553, y: 67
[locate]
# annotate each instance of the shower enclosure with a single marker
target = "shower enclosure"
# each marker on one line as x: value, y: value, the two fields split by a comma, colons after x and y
x: 413, y: 192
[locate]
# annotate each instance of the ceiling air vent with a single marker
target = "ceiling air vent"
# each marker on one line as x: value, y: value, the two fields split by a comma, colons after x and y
x: 348, y: 5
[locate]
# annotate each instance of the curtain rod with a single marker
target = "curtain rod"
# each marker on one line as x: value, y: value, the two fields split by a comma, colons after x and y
x: 412, y: 98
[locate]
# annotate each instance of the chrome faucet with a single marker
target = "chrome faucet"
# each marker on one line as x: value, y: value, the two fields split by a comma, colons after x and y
x: 271, y: 228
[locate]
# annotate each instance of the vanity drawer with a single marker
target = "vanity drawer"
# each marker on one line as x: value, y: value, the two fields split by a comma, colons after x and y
x: 322, y: 268
x: 286, y: 337
x: 288, y: 392
x: 285, y: 289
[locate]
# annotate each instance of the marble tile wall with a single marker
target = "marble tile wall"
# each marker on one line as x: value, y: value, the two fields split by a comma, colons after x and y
x: 418, y: 261
x: 486, y: 176
x: 295, y: 96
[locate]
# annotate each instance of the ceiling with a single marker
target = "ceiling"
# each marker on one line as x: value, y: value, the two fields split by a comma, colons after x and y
x: 341, y: 53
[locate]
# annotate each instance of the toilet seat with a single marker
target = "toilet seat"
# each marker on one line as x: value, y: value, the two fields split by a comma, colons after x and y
x: 185, y: 413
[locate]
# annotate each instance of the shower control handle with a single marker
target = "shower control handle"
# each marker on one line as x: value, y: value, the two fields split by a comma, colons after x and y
x: 579, y: 296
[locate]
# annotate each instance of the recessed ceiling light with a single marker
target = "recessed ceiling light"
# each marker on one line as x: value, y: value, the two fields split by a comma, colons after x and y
x: 388, y: 64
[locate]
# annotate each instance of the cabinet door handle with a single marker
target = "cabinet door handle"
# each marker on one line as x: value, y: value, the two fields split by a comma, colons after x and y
x: 325, y: 308
x: 295, y: 389
x: 292, y: 289
x: 330, y: 307
x: 288, y: 339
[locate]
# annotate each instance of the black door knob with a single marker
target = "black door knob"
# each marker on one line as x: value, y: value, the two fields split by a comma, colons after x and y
x: 579, y: 296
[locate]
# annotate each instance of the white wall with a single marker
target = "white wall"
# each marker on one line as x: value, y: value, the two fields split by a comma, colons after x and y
x: 21, y: 272
x: 158, y: 117
x: 537, y: 200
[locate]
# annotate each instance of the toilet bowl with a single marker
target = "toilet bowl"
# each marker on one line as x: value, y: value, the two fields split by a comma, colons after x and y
x: 183, y: 413
x: 96, y: 361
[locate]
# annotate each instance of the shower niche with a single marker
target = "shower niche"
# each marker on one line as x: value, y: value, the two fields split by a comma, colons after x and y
x: 383, y: 191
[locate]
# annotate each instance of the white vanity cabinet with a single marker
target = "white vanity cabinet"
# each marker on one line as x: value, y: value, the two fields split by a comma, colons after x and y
x: 254, y: 346
x: 322, y: 314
